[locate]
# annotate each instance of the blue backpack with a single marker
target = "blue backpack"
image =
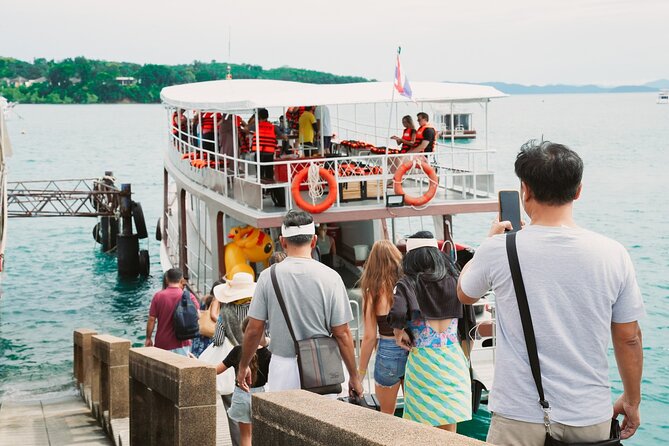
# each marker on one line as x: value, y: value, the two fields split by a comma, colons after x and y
x: 186, y: 318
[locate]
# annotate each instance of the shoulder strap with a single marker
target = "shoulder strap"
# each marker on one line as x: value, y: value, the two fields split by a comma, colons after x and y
x: 525, y: 316
x: 185, y: 296
x: 282, y: 304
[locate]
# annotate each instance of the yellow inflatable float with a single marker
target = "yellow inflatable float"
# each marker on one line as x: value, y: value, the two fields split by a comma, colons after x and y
x: 248, y: 244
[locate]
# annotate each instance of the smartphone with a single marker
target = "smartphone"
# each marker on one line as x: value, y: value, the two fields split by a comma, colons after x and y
x: 509, y: 208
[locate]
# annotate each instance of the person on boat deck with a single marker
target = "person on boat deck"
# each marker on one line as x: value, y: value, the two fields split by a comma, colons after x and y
x: 426, y: 135
x: 308, y: 130
x: 265, y: 140
x: 383, y: 269
x: 208, y: 122
x: 582, y: 291
x: 408, y: 138
x: 162, y: 310
x: 424, y: 317
x: 282, y: 133
x: 326, y: 246
x: 324, y: 125
x: 316, y: 302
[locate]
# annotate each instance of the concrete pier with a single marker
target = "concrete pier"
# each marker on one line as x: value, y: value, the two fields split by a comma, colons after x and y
x: 301, y: 418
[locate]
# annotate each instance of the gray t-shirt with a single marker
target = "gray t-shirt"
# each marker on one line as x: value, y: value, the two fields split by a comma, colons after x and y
x: 577, y: 283
x: 315, y: 297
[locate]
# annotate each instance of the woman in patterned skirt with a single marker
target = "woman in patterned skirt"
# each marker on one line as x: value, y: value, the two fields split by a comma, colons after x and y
x: 424, y: 316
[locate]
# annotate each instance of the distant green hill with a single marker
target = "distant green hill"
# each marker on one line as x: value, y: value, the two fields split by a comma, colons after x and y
x: 86, y: 81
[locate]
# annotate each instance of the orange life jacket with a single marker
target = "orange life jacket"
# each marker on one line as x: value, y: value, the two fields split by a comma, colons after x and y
x: 267, y: 137
x: 406, y: 135
x: 420, y: 138
x: 207, y: 121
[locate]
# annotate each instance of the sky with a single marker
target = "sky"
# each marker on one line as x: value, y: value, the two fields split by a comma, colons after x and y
x: 603, y: 42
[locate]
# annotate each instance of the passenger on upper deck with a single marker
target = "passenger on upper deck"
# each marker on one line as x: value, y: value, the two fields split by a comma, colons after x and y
x: 322, y: 114
x: 265, y: 140
x: 426, y: 135
x: 581, y: 289
x: 208, y: 122
x: 408, y: 139
x: 308, y: 129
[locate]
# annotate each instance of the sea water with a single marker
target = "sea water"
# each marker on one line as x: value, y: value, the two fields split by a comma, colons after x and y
x: 57, y: 280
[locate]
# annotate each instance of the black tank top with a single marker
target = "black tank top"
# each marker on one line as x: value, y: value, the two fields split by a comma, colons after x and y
x: 384, y: 328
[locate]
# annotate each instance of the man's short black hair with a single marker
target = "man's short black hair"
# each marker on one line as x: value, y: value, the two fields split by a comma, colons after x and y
x: 173, y: 275
x: 263, y: 114
x: 552, y: 171
x: 423, y: 115
x: 296, y: 217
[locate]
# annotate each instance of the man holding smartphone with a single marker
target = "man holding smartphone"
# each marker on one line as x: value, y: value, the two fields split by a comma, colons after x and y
x: 581, y: 288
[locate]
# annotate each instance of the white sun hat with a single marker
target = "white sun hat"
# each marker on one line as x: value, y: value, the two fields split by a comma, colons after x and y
x: 241, y: 286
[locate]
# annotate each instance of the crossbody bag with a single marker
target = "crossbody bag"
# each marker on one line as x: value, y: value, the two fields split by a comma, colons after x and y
x: 318, y: 359
x: 531, y: 343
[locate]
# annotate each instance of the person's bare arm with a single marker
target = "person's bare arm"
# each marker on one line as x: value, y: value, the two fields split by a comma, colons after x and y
x: 149, y: 331
x: 252, y: 337
x: 467, y: 300
x: 368, y: 342
x: 628, y: 348
x: 420, y: 147
x: 342, y: 335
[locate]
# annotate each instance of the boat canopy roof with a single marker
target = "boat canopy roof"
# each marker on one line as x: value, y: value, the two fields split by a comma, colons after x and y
x: 248, y: 94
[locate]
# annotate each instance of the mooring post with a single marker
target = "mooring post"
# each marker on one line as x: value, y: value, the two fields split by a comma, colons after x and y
x: 128, y: 244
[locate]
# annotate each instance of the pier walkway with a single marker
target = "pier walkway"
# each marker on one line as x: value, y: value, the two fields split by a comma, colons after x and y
x: 61, y: 421
x: 67, y: 420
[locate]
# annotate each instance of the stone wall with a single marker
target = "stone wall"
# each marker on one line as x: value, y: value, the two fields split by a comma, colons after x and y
x: 300, y: 418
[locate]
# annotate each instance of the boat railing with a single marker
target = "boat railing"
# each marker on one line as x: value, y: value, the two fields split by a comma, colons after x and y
x: 464, y: 172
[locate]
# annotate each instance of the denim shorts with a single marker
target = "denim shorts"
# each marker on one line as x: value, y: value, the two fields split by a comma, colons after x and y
x: 390, y: 363
x: 240, y: 408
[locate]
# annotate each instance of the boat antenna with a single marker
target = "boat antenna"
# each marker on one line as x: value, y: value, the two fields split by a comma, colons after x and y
x: 228, y: 75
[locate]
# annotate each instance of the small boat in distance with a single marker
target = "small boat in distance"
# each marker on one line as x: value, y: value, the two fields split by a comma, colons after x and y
x: 461, y: 123
x: 663, y: 97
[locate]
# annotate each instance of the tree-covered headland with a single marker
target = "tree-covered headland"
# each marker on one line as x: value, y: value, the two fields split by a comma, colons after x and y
x: 86, y: 81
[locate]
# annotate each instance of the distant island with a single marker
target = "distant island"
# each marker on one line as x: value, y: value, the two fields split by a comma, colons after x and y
x: 567, y: 89
x: 86, y: 81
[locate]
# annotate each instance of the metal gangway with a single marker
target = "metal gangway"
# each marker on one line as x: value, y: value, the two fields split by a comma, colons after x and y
x: 87, y: 197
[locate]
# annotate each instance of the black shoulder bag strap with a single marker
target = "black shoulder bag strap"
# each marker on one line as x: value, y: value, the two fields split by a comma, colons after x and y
x: 282, y: 304
x: 526, y: 320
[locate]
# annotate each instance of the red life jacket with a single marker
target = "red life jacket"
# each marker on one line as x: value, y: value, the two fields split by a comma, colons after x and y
x: 420, y: 138
x: 267, y: 137
x: 406, y: 135
x: 207, y: 121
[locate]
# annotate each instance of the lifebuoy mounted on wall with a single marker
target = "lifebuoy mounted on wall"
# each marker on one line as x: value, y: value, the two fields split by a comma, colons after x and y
x: 431, y: 190
x: 323, y: 205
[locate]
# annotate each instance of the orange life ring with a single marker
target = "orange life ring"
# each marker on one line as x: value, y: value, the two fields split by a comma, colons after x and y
x: 431, y: 190
x: 323, y: 205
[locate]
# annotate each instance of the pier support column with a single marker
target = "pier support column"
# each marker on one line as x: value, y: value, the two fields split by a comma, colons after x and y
x: 83, y: 360
x: 110, y: 394
x: 173, y: 399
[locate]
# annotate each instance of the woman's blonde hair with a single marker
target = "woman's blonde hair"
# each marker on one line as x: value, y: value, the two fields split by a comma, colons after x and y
x: 383, y: 269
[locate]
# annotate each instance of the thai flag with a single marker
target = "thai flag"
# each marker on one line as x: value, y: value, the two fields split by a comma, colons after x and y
x: 401, y: 82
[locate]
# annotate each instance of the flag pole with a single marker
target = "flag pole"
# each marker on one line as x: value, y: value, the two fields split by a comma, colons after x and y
x: 392, y: 102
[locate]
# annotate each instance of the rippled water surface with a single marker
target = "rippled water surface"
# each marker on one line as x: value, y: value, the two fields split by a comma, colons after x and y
x: 56, y: 279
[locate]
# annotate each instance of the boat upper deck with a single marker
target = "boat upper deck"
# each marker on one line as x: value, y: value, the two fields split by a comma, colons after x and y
x: 359, y: 164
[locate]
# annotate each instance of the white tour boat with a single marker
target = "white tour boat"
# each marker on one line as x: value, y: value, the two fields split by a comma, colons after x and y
x: 217, y: 208
x: 663, y: 97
